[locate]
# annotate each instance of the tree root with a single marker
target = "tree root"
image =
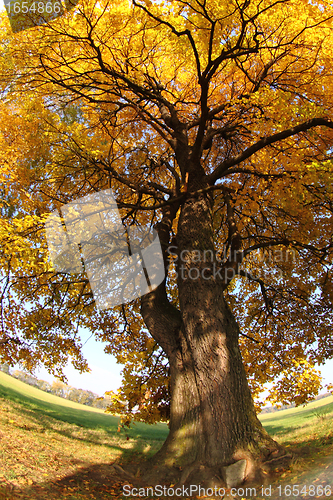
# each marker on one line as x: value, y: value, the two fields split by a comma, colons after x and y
x: 220, y: 476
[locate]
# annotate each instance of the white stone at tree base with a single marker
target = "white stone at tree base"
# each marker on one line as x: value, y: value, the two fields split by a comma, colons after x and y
x: 234, y: 474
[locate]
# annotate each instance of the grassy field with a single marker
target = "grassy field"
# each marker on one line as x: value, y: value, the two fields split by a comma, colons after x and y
x: 53, y: 448
x: 301, y: 425
x: 50, y: 446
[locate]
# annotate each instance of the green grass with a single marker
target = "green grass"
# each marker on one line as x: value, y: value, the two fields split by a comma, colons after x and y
x: 52, y: 448
x: 303, y: 425
x: 45, y: 404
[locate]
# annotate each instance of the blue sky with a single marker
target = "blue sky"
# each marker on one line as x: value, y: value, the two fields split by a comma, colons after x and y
x: 104, y: 375
x: 105, y: 372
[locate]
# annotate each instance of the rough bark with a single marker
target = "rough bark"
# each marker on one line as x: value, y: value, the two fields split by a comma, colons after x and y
x: 213, y: 422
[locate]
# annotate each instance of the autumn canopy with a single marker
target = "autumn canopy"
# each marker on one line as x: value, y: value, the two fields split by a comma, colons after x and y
x: 210, y: 121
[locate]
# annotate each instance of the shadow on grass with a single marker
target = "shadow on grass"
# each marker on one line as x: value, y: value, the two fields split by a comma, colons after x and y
x: 42, y: 411
x: 100, y: 482
x: 103, y: 481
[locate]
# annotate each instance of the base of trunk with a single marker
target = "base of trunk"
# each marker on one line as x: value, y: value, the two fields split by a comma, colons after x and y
x: 259, y: 464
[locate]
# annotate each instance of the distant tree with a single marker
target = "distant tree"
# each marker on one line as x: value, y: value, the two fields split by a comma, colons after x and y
x: 25, y: 377
x: 74, y: 394
x: 100, y: 402
x: 5, y: 368
x: 60, y: 389
x: 86, y: 397
x: 43, y: 385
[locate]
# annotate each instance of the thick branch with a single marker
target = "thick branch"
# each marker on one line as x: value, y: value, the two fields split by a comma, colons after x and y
x: 268, y: 302
x: 162, y: 318
x: 286, y: 242
x: 7, y: 340
x: 223, y: 167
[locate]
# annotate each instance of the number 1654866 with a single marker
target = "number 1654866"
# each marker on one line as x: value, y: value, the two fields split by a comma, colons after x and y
x: 35, y: 7
x: 308, y: 490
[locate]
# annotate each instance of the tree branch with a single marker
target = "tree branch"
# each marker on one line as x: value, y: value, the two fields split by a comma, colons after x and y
x: 264, y: 347
x: 162, y: 318
x: 8, y: 340
x: 175, y: 32
x: 223, y: 167
x: 268, y: 302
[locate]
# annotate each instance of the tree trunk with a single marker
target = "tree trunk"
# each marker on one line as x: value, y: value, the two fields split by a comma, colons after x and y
x: 212, y: 417
x: 213, y: 422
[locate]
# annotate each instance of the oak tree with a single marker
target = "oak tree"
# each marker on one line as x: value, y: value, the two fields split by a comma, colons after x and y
x: 211, y: 122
